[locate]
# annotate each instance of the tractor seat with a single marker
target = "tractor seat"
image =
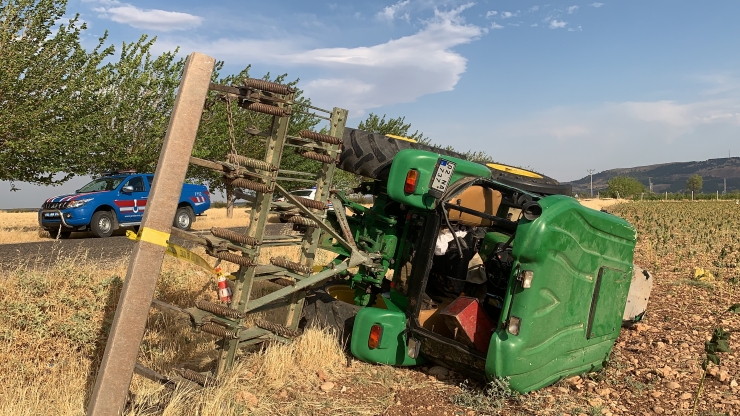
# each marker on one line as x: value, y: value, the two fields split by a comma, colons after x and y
x: 478, y: 198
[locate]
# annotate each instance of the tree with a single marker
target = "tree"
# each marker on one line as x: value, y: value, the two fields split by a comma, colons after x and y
x: 394, y: 126
x: 694, y: 183
x: 49, y: 91
x: 623, y: 187
x: 139, y: 96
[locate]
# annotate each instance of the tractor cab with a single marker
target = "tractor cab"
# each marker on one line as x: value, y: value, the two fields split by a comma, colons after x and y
x: 486, y: 278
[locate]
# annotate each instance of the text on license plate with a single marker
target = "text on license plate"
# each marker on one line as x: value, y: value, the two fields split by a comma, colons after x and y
x: 442, y: 175
x: 51, y: 215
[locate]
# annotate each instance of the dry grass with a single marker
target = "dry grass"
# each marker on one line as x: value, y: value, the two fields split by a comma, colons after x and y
x: 20, y: 227
x: 53, y: 326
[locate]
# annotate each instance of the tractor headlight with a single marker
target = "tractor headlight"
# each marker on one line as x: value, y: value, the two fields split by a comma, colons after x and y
x: 79, y: 203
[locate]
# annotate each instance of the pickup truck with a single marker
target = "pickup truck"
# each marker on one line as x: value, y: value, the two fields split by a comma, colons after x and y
x: 113, y: 201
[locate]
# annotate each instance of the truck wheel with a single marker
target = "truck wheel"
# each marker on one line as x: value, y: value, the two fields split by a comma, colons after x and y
x: 102, y: 224
x: 527, y: 180
x: 184, y: 218
x: 330, y: 307
x: 368, y: 154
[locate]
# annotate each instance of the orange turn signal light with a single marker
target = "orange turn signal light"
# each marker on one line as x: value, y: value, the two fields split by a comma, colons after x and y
x: 412, y: 179
x: 376, y: 331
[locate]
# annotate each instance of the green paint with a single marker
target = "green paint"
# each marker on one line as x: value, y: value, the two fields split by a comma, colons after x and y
x: 566, y: 248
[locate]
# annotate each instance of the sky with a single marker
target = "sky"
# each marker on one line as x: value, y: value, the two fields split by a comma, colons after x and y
x: 559, y: 87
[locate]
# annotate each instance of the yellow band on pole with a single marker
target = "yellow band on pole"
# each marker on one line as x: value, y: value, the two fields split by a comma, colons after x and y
x: 160, y: 238
x: 150, y: 235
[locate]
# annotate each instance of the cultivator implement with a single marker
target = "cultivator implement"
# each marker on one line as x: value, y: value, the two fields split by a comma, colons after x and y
x: 229, y: 322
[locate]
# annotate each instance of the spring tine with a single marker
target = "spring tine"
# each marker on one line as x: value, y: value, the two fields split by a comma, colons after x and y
x: 217, y: 309
x: 246, y: 183
x: 325, y: 138
x: 265, y: 108
x: 234, y: 236
x: 311, y: 203
x: 283, y: 281
x: 297, y: 219
x: 218, y: 331
x: 290, y: 265
x: 318, y: 157
x: 250, y: 163
x: 263, y: 85
x: 202, y: 379
x: 281, y: 330
x: 233, y: 258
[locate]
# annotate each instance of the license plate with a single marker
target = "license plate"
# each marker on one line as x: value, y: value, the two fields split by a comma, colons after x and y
x: 51, y: 215
x: 442, y: 176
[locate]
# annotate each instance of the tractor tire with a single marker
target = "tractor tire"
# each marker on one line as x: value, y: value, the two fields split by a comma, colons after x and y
x: 322, y: 310
x: 368, y: 154
x: 527, y: 180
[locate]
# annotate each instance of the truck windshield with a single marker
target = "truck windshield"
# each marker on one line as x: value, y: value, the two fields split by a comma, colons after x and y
x: 102, y: 184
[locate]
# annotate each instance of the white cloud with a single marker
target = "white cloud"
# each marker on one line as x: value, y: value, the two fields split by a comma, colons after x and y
x: 153, y: 19
x: 398, y: 71
x: 534, y: 25
x: 534, y: 8
x: 597, y: 5
x: 506, y: 15
x: 557, y: 24
x: 390, y: 12
x: 577, y: 29
x: 491, y: 13
x: 572, y: 9
x: 495, y: 25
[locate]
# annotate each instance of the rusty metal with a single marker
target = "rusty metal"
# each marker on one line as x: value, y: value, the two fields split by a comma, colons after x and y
x: 218, y: 330
x: 342, y: 220
x: 202, y: 379
x: 318, y: 157
x: 311, y: 203
x: 263, y: 85
x: 297, y: 219
x: 281, y: 330
x: 233, y: 258
x: 325, y: 138
x: 265, y: 108
x: 219, y: 310
x: 246, y: 183
x: 290, y: 265
x: 250, y: 163
x: 234, y: 236
x: 117, y: 367
x: 283, y: 281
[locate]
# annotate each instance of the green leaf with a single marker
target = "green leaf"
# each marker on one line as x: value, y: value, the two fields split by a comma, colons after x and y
x: 734, y: 308
x: 713, y: 358
x: 723, y: 346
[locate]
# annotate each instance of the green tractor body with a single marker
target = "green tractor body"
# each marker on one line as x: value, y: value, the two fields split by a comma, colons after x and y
x: 548, y: 295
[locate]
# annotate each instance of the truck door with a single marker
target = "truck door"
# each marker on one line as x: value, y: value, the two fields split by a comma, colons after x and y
x: 131, y: 200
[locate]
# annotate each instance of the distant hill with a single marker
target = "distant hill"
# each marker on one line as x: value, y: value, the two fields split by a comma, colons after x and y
x: 671, y: 177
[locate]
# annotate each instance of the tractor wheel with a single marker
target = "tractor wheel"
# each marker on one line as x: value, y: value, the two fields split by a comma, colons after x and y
x: 368, y: 154
x: 330, y: 307
x: 527, y: 180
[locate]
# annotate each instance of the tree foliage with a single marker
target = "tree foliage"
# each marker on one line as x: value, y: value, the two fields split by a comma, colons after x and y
x: 623, y: 187
x: 395, y: 126
x: 50, y: 91
x: 694, y: 183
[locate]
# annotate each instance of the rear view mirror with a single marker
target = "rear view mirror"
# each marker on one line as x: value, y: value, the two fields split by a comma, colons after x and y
x: 127, y: 189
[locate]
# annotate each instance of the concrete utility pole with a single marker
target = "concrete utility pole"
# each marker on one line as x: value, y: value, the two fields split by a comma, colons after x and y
x: 591, y: 172
x: 725, y: 191
x: 650, y: 181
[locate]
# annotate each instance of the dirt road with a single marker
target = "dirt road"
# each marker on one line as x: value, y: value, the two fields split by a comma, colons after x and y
x: 40, y: 255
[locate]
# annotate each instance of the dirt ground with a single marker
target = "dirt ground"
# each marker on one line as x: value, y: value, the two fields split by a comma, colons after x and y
x: 598, y: 204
